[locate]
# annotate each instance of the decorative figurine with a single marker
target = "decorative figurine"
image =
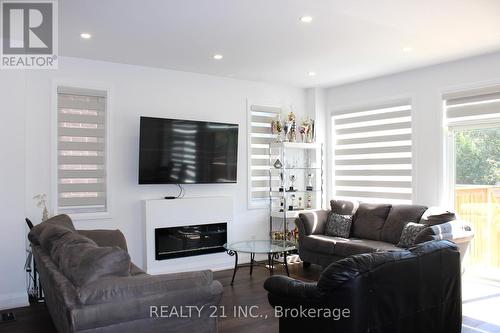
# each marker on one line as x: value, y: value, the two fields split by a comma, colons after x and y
x: 309, y: 186
x: 300, y: 203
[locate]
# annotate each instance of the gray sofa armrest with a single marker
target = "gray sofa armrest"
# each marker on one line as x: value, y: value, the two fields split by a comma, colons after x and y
x: 312, y: 222
x: 456, y: 230
x: 148, y: 307
x: 287, y: 291
x: 117, y: 289
x: 106, y: 237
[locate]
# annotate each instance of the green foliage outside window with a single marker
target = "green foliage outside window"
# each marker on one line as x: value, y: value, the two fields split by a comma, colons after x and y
x: 478, y: 157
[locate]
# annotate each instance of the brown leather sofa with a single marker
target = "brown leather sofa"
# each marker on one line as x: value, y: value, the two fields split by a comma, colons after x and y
x: 90, y: 285
x: 375, y: 227
x: 412, y: 291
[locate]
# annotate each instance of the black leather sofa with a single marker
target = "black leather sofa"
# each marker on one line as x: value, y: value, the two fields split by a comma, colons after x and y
x: 408, y: 291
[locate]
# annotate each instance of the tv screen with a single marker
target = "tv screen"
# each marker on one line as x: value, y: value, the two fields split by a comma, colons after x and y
x: 174, y: 151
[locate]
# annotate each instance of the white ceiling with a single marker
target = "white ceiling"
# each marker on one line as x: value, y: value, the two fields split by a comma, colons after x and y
x: 264, y: 40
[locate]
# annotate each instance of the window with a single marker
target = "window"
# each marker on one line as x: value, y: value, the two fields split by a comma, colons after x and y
x: 373, y: 153
x: 259, y: 129
x: 473, y: 160
x: 81, y: 151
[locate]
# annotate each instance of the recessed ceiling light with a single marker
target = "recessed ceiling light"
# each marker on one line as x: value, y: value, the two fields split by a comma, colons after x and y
x: 311, y: 73
x: 407, y: 49
x: 218, y: 56
x: 85, y: 35
x: 306, y: 19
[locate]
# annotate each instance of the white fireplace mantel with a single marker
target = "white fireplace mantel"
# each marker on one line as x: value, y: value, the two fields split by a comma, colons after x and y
x: 164, y: 213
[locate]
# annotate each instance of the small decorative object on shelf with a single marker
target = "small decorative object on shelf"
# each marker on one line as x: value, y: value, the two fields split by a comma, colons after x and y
x: 309, y: 201
x: 42, y: 203
x: 278, y: 164
x: 293, y: 127
x: 309, y: 186
x: 292, y: 206
x: 300, y: 203
x: 293, y: 178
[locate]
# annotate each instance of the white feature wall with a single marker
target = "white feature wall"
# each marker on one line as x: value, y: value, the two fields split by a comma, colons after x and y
x: 425, y: 88
x: 27, y: 123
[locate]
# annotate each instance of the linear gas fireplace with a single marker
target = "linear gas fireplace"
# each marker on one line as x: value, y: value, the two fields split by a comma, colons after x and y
x: 185, y: 241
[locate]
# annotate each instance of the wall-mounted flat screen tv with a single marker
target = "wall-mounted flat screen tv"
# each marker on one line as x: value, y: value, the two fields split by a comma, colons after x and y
x: 175, y: 151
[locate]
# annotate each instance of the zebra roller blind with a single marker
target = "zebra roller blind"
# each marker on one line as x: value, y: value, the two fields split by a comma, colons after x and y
x: 373, y: 153
x: 473, y: 105
x: 260, y: 137
x: 81, y: 148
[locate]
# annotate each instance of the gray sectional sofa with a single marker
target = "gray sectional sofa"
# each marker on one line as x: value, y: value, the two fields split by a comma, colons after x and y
x: 375, y: 227
x: 90, y: 285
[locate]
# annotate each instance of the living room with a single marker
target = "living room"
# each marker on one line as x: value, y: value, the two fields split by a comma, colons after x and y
x: 291, y: 119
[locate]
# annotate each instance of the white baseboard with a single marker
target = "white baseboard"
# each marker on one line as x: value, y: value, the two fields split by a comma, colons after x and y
x: 14, y: 300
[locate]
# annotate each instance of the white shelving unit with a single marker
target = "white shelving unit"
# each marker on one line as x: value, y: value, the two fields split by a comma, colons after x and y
x: 296, y: 184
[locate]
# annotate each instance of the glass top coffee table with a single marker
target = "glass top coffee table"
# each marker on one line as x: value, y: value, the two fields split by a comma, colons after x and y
x: 273, y: 248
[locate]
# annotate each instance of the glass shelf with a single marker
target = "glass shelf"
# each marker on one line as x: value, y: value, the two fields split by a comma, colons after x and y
x: 296, y: 168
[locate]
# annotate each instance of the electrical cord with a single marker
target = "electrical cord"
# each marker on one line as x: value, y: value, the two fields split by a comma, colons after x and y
x: 180, y: 195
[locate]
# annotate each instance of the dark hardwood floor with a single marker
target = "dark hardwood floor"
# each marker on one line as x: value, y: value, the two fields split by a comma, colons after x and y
x: 246, y: 292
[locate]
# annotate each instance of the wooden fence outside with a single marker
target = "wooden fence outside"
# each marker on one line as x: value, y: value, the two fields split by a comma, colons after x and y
x: 480, y: 206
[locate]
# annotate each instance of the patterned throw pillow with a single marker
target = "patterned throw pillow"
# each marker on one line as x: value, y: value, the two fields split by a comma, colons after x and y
x: 338, y: 225
x: 410, y: 232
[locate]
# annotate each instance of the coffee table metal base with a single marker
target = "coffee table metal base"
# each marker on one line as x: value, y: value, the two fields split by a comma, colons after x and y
x: 271, y: 259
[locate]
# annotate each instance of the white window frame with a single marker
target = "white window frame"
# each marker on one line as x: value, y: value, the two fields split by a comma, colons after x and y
x: 54, y: 192
x: 449, y: 140
x: 407, y: 99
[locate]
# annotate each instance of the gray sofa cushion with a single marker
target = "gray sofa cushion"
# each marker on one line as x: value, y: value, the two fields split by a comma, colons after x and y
x: 343, y: 247
x: 351, y: 246
x: 106, y: 237
x: 319, y: 244
x: 398, y: 217
x: 55, y: 237
x: 338, y: 225
x: 344, y: 207
x: 60, y: 220
x: 83, y: 263
x: 369, y: 220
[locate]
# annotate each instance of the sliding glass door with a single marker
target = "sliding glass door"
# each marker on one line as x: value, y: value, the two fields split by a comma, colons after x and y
x: 476, y: 193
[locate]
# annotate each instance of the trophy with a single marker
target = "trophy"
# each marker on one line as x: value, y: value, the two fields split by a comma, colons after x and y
x: 309, y: 186
x: 300, y: 203
x: 292, y: 206
x: 286, y: 130
x: 278, y: 164
x: 293, y: 127
x: 277, y: 128
x: 309, y: 201
x: 292, y: 180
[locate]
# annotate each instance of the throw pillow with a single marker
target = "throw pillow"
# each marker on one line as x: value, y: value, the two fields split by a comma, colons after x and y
x: 338, y: 225
x: 410, y: 232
